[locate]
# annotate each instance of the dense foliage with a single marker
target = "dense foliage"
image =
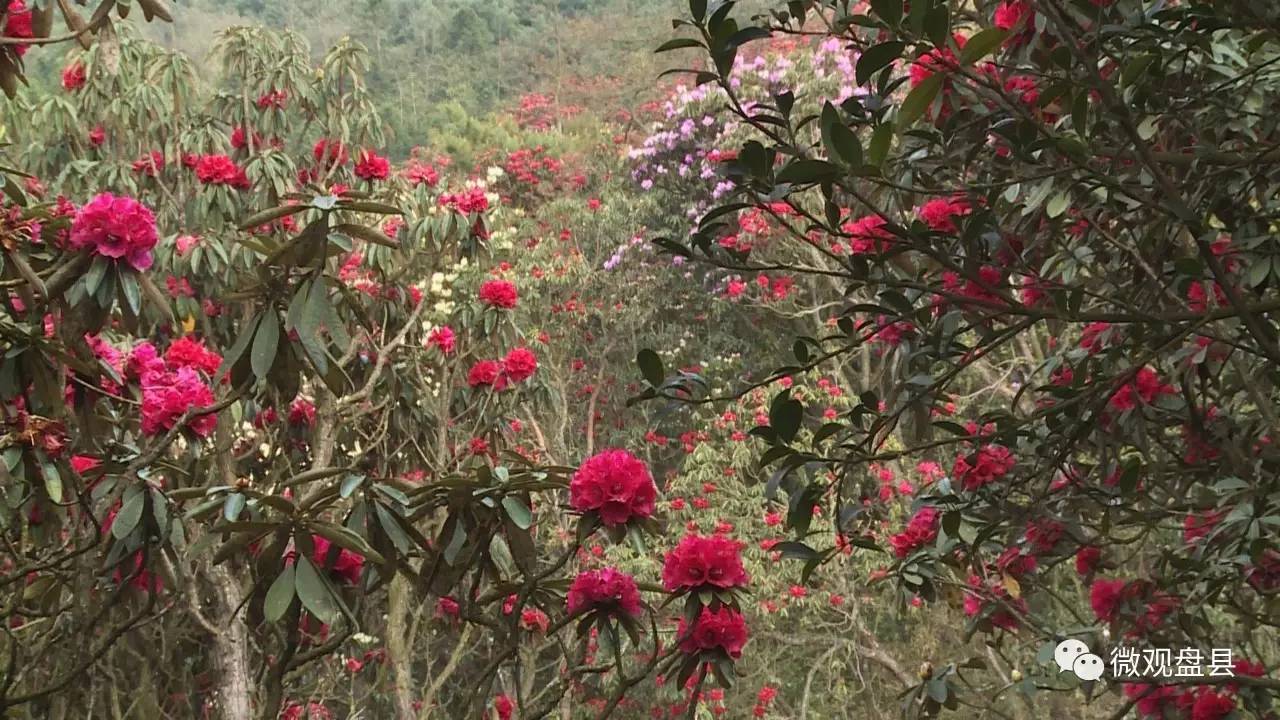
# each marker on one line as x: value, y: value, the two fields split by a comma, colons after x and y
x: 347, y: 372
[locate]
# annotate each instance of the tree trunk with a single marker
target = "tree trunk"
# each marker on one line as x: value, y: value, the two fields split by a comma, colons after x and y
x: 400, y: 646
x: 235, y: 694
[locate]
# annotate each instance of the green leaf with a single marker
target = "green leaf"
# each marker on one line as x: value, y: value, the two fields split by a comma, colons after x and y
x: 785, y: 414
x: 349, y: 485
x: 233, y: 506
x: 93, y: 278
x: 314, y: 591
x: 280, y: 595
x: 918, y: 101
x: 807, y: 171
x: 518, y: 511
x: 131, y: 290
x: 265, y: 343
x: 367, y: 234
x: 262, y: 218
x: 52, y: 480
x: 889, y: 11
x: 877, y: 57
x: 130, y: 513
x: 1058, y: 205
x: 878, y: 149
x: 651, y: 367
x: 796, y: 550
x: 982, y: 44
x: 237, y: 349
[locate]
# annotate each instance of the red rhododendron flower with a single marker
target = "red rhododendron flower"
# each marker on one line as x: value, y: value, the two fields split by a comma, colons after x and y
x: 310, y: 711
x: 608, y: 590
x: 17, y: 24
x: 302, y: 412
x: 73, y: 76
x: 443, y: 338
x: 220, y: 170
x: 867, y: 235
x: 503, y: 706
x: 519, y: 364
x: 484, y: 372
x: 1096, y: 337
x: 329, y: 152
x: 615, y: 485
x: 347, y: 565
x: 447, y: 607
x: 150, y: 164
x: 116, y: 228
x: 1211, y: 705
x: 921, y: 530
x: 166, y: 397
x: 724, y: 629
x: 1088, y: 559
x: 189, y: 352
x: 421, y: 174
x: 371, y: 166
x: 981, y: 594
x: 1147, y: 387
x: 241, y: 139
x: 273, y: 99
x: 940, y: 213
x: 987, y: 465
x: 1105, y: 597
x: 938, y: 60
x: 499, y: 294
x: 97, y: 136
x: 1017, y: 17
x: 472, y: 200
x: 700, y: 561
x: 82, y: 464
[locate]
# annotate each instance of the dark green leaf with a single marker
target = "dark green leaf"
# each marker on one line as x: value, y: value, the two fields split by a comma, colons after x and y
x: 877, y: 57
x: 280, y: 595
x: 982, y: 44
x: 314, y: 591
x: 265, y: 343
x: 919, y: 100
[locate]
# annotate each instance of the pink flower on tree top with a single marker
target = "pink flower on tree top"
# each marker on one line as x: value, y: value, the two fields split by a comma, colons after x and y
x: 699, y: 562
x: 607, y: 590
x: 116, y: 228
x: 615, y: 485
x: 500, y: 294
x: 724, y: 629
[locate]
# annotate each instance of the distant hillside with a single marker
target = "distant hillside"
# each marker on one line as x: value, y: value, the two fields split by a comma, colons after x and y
x: 436, y: 60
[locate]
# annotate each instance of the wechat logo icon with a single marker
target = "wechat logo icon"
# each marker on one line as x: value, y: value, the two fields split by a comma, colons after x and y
x: 1073, y: 656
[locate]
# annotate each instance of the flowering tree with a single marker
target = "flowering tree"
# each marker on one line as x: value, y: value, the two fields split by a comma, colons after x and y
x: 1062, y: 212
x: 259, y: 394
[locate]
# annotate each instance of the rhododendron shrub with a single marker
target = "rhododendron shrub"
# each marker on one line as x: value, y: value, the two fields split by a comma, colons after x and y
x: 242, y: 410
x: 1045, y: 223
